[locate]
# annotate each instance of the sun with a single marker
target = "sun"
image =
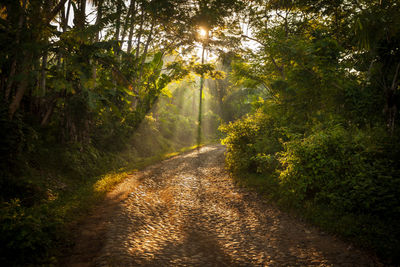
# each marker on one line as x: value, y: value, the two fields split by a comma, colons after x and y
x: 203, y: 33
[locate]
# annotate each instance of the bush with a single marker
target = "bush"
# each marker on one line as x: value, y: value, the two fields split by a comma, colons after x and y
x: 26, y: 234
x: 346, y: 170
x: 345, y: 180
x: 252, y: 143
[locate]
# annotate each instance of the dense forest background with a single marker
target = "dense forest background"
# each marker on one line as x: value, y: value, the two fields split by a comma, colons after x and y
x: 306, y: 93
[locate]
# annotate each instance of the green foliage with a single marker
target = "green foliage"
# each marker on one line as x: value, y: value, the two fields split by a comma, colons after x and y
x: 26, y: 234
x: 337, y: 168
x: 332, y: 88
x: 252, y: 143
x: 345, y: 180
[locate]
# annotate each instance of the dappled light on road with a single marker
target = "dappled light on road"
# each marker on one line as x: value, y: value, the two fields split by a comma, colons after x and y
x: 187, y: 211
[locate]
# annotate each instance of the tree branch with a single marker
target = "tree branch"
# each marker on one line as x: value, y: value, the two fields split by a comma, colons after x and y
x: 395, y: 82
x: 53, y: 13
x: 279, y: 68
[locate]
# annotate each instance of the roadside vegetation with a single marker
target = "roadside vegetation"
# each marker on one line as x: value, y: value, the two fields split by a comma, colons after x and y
x: 323, y: 138
x: 51, y: 188
x: 91, y: 91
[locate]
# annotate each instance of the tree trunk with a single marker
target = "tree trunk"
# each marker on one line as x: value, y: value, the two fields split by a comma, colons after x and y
x: 65, y: 25
x: 10, y: 79
x: 199, y: 126
x: 42, y: 84
x: 118, y: 26
x: 131, y: 28
x: 96, y: 39
x: 146, y: 47
x: 128, y: 19
x: 139, y: 35
x: 47, y: 115
x: 391, y: 105
x: 16, y: 101
x: 80, y: 16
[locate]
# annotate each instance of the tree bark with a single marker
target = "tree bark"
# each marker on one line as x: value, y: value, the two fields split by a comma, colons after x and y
x: 391, y: 101
x: 47, y: 115
x: 42, y: 84
x: 129, y: 17
x: 131, y: 28
x: 146, y: 47
x: 16, y: 101
x: 118, y: 26
x: 10, y: 79
x: 96, y: 39
x: 139, y: 34
x: 80, y: 16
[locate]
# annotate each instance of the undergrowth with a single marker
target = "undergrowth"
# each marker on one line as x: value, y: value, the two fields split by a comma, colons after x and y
x: 35, y: 226
x: 343, y: 179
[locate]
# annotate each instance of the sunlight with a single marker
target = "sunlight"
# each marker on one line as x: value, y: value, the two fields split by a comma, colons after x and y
x: 171, y: 123
x: 203, y: 33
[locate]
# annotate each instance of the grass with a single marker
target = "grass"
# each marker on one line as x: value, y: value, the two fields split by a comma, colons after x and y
x: 77, y: 201
x: 141, y: 163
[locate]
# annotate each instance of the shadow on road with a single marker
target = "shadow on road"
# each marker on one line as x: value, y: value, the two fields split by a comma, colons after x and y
x: 187, y: 211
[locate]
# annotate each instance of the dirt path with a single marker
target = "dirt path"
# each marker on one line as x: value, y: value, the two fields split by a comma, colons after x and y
x: 186, y: 211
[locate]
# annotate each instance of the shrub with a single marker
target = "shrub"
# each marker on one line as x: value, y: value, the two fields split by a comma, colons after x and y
x: 347, y: 170
x: 26, y: 234
x: 252, y: 143
x: 345, y: 180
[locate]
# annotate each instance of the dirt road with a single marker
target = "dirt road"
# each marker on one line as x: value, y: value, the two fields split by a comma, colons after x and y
x: 187, y: 211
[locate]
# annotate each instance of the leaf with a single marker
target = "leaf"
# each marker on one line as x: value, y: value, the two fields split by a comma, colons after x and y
x: 157, y: 59
x: 166, y: 92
